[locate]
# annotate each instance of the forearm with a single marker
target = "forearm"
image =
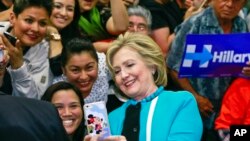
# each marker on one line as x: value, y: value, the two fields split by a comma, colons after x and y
x: 162, y: 37
x: 183, y: 83
x: 55, y: 44
x: 101, y: 46
x: 55, y: 48
x: 119, y: 15
x: 4, y: 15
x: 28, y: 84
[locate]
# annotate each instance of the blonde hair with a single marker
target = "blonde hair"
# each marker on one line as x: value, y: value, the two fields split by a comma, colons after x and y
x: 146, y: 48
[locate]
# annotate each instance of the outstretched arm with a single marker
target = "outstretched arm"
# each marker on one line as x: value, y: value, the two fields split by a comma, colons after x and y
x: 118, y: 23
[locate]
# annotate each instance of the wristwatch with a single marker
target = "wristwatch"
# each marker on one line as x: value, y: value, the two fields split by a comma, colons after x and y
x: 55, y: 36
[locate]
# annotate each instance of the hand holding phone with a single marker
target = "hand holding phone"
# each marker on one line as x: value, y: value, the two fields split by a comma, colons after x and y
x: 97, y: 119
x: 11, y: 38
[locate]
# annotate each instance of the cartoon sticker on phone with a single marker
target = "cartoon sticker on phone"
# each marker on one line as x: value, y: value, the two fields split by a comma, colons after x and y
x: 97, y: 119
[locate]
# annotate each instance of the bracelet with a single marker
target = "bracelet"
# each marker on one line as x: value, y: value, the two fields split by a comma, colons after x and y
x: 55, y: 36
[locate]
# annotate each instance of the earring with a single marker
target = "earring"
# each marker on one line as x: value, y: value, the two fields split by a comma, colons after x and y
x: 153, y: 71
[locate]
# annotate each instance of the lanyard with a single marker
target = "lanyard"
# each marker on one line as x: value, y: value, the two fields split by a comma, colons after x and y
x: 150, y: 118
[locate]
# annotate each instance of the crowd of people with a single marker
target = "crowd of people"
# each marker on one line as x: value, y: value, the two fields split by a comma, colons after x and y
x: 126, y: 53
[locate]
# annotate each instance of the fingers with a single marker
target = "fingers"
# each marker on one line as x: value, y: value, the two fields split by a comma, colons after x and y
x: 115, y: 138
x: 2, y: 45
x: 98, y: 137
x: 188, y: 3
x: 8, y: 45
x: 246, y: 70
x: 87, y: 138
x: 5, y: 41
x: 6, y: 57
x: 205, y: 106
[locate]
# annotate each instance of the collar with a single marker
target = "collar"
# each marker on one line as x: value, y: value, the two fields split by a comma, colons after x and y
x: 148, y: 98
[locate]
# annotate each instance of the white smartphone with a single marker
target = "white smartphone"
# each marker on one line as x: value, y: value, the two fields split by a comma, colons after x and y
x: 96, y: 118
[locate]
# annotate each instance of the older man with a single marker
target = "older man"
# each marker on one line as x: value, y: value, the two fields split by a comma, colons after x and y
x: 220, y: 18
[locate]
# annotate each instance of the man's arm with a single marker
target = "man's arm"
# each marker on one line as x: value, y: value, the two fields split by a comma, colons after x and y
x: 161, y: 37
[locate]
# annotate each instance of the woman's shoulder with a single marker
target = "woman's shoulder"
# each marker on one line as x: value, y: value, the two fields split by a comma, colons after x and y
x: 177, y: 95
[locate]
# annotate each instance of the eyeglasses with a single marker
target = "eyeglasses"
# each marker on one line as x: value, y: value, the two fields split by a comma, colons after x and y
x: 137, y: 27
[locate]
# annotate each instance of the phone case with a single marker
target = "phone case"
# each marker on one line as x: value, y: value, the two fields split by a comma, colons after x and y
x: 97, y: 119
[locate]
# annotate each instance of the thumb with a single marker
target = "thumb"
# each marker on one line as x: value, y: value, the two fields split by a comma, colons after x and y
x: 18, y: 45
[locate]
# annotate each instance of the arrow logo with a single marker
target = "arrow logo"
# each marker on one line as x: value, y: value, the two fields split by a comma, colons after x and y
x: 203, y: 56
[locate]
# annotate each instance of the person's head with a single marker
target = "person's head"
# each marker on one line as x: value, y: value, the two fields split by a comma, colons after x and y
x: 87, y: 5
x: 29, y: 20
x: 80, y: 64
x: 136, y: 64
x: 140, y: 19
x: 64, y: 13
x: 226, y: 10
x: 69, y: 102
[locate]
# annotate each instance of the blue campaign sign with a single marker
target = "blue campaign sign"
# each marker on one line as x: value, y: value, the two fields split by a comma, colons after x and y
x: 215, y: 55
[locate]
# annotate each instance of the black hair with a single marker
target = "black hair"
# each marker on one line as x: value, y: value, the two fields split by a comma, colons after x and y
x: 77, y: 46
x: 21, y: 5
x: 49, y: 93
x: 72, y: 30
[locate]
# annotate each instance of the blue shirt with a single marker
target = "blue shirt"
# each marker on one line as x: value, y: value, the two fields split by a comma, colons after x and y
x: 176, y: 117
x: 204, y: 23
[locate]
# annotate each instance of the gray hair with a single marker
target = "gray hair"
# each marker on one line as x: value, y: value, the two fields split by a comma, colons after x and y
x: 141, y: 12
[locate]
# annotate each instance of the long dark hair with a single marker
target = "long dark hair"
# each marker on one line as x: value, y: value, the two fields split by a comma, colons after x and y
x: 72, y: 29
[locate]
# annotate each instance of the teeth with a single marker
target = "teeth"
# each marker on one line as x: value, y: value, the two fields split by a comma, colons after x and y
x: 84, y: 83
x: 60, y: 20
x: 67, y: 122
x: 129, y: 83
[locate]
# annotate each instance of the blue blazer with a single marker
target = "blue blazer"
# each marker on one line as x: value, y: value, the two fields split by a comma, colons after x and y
x: 176, y: 117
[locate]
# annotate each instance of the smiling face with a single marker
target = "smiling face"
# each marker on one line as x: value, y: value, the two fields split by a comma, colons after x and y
x: 62, y: 13
x: 30, y: 25
x: 132, y: 75
x: 69, y: 108
x: 82, y: 70
x: 86, y: 5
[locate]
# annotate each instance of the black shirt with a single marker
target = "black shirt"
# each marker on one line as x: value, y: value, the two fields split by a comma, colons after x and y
x: 164, y: 15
